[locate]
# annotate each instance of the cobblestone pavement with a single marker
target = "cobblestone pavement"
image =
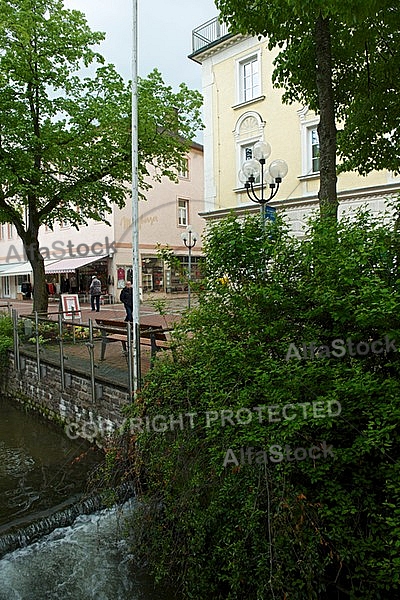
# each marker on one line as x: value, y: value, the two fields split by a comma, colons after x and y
x: 114, y: 367
x: 173, y: 306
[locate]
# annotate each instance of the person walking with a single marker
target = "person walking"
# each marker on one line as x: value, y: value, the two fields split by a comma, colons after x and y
x: 126, y: 298
x: 95, y: 293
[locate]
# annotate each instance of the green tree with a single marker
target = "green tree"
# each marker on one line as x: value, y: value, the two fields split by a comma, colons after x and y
x: 341, y: 59
x: 315, y: 529
x: 370, y: 138
x: 65, y: 125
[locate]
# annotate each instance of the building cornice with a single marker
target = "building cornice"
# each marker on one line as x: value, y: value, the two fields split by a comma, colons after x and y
x: 218, y: 46
x: 305, y: 201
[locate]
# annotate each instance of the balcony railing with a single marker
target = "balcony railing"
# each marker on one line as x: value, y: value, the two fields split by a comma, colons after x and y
x: 208, y: 33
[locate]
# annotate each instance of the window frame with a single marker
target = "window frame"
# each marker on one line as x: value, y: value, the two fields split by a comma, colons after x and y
x: 308, y: 124
x: 311, y: 145
x: 246, y: 135
x: 6, y: 286
x: 255, y: 88
x: 184, y: 172
x: 184, y: 208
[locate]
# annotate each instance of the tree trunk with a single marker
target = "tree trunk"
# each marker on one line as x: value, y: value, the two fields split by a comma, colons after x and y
x: 327, y: 127
x: 40, y: 294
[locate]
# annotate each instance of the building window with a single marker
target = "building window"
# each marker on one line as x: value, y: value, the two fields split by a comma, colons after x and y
x: 248, y: 130
x: 249, y: 78
x: 310, y: 163
x: 183, y: 212
x: 6, y: 286
x: 10, y: 231
x: 2, y: 231
x: 184, y: 169
x: 247, y: 154
x: 314, y: 150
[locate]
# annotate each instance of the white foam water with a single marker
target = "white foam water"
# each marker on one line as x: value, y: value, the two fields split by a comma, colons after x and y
x: 89, y: 560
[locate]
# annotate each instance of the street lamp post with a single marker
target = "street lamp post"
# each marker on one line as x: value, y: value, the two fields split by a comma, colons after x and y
x: 189, y: 238
x: 255, y: 166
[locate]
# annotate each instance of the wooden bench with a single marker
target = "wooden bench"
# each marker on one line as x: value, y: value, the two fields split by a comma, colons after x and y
x: 117, y: 331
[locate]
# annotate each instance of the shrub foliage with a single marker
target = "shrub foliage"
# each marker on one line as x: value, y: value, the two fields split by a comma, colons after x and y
x: 314, y: 528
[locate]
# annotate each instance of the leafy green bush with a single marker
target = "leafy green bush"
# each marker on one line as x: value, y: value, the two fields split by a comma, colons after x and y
x: 295, y: 529
x: 6, y: 339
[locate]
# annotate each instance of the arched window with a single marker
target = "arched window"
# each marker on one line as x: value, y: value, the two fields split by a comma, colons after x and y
x: 249, y: 130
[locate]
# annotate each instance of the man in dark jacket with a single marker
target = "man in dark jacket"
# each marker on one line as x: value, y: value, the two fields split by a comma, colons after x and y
x: 95, y: 293
x: 126, y: 298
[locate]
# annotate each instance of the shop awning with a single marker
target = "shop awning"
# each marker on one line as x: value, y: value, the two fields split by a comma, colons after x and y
x: 16, y: 269
x: 24, y: 268
x: 68, y: 265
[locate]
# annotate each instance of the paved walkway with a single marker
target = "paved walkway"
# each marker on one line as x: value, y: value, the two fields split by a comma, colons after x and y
x: 114, y: 368
x: 173, y: 306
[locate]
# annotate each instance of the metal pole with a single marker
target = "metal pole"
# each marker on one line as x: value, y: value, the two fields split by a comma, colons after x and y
x: 61, y: 347
x: 190, y: 266
x: 73, y: 326
x: 262, y: 203
x: 17, y: 364
x: 189, y: 238
x: 90, y: 346
x: 129, y: 359
x: 14, y: 336
x: 135, y: 207
x: 139, y: 370
x: 37, y: 344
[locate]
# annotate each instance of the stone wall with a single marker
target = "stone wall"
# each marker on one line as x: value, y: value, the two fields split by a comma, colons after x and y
x: 72, y: 407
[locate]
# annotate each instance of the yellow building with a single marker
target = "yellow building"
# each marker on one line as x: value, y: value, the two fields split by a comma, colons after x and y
x: 241, y: 108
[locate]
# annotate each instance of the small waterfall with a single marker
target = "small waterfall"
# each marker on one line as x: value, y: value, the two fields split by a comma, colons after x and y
x: 88, y: 560
x: 62, y: 518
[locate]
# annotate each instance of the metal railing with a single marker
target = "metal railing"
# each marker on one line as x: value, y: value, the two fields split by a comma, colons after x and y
x: 208, y: 33
x: 57, y: 342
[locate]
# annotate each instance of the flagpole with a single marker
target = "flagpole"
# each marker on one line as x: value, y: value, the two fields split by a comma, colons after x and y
x: 135, y: 208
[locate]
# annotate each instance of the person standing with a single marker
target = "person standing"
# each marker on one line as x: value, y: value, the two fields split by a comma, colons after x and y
x: 126, y: 298
x: 74, y: 285
x: 64, y: 285
x: 95, y: 293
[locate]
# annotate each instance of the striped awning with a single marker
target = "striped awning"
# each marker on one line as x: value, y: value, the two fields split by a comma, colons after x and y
x: 69, y: 265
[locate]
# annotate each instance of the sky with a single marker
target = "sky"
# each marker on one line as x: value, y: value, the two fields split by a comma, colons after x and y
x: 164, y: 35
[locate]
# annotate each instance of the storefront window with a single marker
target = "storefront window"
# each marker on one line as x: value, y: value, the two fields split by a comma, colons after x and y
x: 124, y: 273
x: 152, y: 274
x: 98, y: 268
x: 177, y: 277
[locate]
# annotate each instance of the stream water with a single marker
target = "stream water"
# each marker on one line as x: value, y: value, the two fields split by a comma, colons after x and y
x: 43, y: 475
